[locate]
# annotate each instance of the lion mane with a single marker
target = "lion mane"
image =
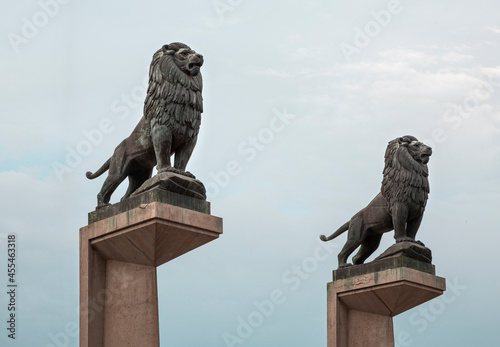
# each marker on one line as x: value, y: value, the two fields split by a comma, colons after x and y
x: 173, y: 97
x: 399, y: 206
x: 405, y: 179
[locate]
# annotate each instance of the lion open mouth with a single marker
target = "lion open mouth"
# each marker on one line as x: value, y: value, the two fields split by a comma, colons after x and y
x: 424, y: 157
x: 191, y: 66
x: 425, y: 154
x: 194, y: 68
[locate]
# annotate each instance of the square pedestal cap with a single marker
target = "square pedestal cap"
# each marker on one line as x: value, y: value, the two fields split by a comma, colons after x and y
x: 152, y: 234
x: 388, y: 292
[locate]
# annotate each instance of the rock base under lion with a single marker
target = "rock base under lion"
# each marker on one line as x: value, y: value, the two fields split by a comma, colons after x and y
x: 409, y: 249
x: 175, y: 183
x: 400, y: 255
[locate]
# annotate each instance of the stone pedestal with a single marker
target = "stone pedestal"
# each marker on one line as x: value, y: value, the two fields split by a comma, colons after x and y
x: 362, y: 299
x: 119, y: 252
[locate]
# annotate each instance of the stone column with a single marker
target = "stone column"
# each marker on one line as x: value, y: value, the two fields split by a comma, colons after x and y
x: 363, y: 299
x: 119, y: 252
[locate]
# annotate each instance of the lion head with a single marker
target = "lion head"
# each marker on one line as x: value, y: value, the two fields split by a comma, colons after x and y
x: 174, y: 92
x: 185, y: 58
x: 406, y: 173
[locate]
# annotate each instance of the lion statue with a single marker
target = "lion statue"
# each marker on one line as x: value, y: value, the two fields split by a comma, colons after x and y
x: 170, y: 125
x: 399, y: 206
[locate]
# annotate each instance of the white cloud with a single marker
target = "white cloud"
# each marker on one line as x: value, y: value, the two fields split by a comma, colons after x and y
x: 493, y: 29
x: 417, y: 58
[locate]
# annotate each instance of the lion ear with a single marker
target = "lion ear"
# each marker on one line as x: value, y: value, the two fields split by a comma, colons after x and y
x: 166, y: 50
x: 403, y: 141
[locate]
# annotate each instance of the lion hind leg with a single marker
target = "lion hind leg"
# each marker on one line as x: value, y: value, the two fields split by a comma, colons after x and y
x: 136, y: 180
x: 354, y: 239
x: 108, y: 188
x: 369, y: 245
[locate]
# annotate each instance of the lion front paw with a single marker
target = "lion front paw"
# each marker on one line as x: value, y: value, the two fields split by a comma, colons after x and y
x: 177, y: 171
x: 188, y: 174
x: 170, y: 169
x: 405, y: 239
x: 409, y: 239
x: 101, y: 205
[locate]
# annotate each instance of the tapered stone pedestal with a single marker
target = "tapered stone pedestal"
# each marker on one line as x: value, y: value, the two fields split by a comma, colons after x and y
x: 119, y: 254
x: 363, y: 299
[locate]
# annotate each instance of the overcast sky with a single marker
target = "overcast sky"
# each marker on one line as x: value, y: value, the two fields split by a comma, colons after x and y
x: 301, y: 99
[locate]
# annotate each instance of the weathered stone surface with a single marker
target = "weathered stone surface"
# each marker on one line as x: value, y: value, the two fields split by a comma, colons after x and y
x: 152, y: 234
x: 395, y: 262
x: 408, y: 249
x: 154, y: 194
x: 131, y: 310
x: 175, y: 183
x: 361, y: 307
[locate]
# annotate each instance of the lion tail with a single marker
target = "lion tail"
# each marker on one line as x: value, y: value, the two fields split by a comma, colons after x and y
x: 99, y: 172
x: 340, y: 231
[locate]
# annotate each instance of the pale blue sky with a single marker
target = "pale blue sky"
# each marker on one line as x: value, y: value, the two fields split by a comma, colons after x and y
x: 323, y: 86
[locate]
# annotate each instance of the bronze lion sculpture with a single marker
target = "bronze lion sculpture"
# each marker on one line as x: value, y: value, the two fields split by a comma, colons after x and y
x: 170, y: 124
x: 399, y: 206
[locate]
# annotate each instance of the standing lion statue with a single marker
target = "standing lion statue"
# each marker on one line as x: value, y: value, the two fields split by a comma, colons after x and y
x: 399, y: 206
x: 170, y: 125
